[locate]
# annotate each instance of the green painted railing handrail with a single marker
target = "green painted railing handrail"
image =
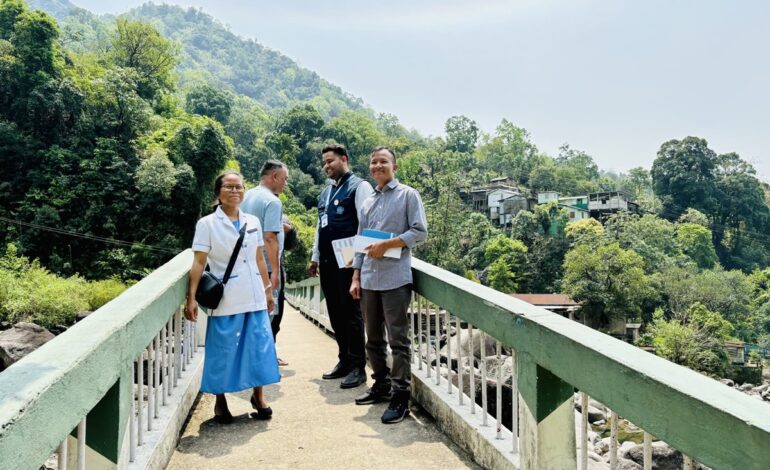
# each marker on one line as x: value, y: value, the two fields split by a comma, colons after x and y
x: 45, y: 395
x: 715, y: 424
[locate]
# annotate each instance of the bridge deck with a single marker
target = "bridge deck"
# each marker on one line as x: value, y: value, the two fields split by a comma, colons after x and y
x: 315, y: 424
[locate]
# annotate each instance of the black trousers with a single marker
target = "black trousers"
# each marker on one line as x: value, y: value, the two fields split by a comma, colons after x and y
x: 275, y: 323
x: 344, y: 314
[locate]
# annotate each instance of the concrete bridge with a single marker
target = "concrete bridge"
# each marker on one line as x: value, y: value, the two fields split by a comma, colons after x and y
x: 116, y: 390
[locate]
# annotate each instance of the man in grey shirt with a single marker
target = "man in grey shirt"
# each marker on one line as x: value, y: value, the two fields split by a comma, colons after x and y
x: 264, y: 203
x: 384, y: 285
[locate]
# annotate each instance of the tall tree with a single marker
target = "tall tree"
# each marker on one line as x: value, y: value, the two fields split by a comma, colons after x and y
x: 609, y: 281
x: 683, y: 175
x: 207, y: 100
x: 462, y: 134
x: 139, y: 46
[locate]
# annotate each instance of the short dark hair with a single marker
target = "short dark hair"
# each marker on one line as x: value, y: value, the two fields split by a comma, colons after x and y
x: 271, y: 166
x: 387, y: 149
x: 337, y: 149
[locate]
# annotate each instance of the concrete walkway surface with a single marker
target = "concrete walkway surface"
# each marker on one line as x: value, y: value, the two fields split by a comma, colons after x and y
x: 315, y: 425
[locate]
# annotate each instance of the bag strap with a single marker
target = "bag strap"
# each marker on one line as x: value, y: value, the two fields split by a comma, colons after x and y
x: 234, y: 256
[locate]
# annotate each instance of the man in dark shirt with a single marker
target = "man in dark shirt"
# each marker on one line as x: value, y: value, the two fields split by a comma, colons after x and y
x: 338, y: 207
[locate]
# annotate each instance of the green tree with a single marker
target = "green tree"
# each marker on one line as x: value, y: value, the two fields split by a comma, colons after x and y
x: 609, y: 281
x: 509, y: 152
x: 156, y: 175
x: 760, y: 286
x: 210, y: 101
x: 35, y: 36
x: 725, y: 292
x: 303, y: 125
x: 10, y: 10
x: 501, y: 277
x: 475, y: 230
x: 462, y: 134
x: 741, y: 215
x: 693, y: 216
x: 695, y: 241
x: 139, y: 46
x: 507, y: 263
x: 651, y: 237
x: 588, y: 231
x: 695, y: 341
x: 683, y: 176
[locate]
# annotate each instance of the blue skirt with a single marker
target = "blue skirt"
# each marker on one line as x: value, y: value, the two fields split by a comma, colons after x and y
x: 239, y: 353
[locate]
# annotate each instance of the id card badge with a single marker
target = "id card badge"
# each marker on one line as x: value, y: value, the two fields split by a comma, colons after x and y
x: 324, y: 220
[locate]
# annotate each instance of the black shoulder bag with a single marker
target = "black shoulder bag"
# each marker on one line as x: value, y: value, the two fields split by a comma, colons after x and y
x: 211, y: 289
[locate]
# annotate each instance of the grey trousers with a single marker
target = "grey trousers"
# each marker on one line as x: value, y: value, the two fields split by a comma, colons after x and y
x: 388, y: 310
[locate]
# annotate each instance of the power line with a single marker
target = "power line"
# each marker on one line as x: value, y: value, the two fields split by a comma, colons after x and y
x: 84, y: 236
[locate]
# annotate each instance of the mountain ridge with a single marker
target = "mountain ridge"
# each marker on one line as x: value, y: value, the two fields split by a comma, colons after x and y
x: 211, y: 53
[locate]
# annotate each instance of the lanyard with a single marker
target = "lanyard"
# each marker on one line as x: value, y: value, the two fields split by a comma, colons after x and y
x: 331, y: 196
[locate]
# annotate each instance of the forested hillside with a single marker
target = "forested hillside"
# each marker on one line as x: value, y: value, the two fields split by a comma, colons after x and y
x: 209, y: 52
x: 111, y: 130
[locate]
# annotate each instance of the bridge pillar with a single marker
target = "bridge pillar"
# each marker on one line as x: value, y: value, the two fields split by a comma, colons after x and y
x: 547, y: 419
x: 106, y: 428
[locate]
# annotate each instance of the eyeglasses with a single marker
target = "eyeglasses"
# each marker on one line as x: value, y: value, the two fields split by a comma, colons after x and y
x: 237, y: 188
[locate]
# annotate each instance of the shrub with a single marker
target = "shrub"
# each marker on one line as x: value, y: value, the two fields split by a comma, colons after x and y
x: 43, y: 298
x: 29, y: 292
x: 101, y: 292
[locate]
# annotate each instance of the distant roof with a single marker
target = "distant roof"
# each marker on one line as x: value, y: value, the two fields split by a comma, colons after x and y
x: 574, y: 207
x: 547, y: 299
x: 494, y: 187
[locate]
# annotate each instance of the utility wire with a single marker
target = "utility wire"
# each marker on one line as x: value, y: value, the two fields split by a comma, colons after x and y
x: 86, y: 236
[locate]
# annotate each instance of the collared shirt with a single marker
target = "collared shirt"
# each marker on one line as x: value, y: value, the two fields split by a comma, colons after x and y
x: 216, y: 236
x: 363, y: 191
x: 261, y: 202
x: 395, y: 208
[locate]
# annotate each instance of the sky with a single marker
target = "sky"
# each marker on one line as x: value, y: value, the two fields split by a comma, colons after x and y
x: 614, y: 78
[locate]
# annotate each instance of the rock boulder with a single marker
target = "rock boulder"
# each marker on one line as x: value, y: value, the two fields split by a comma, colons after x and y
x: 20, y: 340
x: 664, y: 457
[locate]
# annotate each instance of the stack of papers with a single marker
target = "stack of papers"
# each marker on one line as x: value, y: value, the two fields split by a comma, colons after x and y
x: 369, y: 236
x: 345, y: 249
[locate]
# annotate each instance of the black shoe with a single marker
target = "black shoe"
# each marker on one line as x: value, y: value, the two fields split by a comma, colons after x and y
x: 398, y: 408
x: 379, y: 393
x: 339, y: 371
x: 262, y: 413
x: 224, y: 418
x: 354, y: 378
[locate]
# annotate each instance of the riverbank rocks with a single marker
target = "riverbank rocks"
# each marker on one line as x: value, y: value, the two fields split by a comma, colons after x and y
x: 463, y: 341
x: 82, y: 315
x: 625, y: 464
x: 596, y: 411
x: 20, y: 340
x: 664, y: 457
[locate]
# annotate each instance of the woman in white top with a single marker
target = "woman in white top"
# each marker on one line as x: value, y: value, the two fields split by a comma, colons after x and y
x: 240, y: 351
